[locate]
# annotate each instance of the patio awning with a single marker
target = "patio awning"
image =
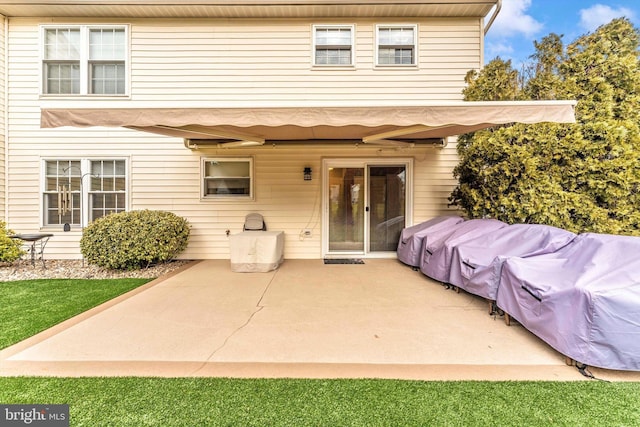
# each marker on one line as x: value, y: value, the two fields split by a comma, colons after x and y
x: 371, y: 124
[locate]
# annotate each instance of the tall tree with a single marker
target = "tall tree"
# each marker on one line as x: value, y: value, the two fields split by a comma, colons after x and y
x: 543, y: 79
x: 582, y: 177
x: 498, y: 81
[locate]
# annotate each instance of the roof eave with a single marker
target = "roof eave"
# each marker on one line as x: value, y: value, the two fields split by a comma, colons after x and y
x: 246, y: 8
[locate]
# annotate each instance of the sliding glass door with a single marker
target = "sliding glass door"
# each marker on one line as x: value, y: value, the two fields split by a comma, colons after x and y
x: 365, y: 206
x: 387, y: 201
x: 346, y: 209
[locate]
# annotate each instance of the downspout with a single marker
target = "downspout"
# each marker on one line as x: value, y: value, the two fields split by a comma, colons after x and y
x: 493, y: 17
x: 5, y: 118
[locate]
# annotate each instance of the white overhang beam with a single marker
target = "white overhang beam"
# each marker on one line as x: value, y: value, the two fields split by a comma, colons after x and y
x: 384, y: 138
x: 212, y: 133
x: 239, y: 139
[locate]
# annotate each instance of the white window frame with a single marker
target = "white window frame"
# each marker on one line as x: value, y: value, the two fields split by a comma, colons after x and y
x: 204, y: 179
x: 364, y: 163
x: 352, y: 46
x: 84, y: 176
x: 85, y: 61
x: 415, y: 29
x: 104, y: 179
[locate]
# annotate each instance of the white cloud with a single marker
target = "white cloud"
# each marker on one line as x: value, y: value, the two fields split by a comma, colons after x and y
x: 600, y: 14
x: 493, y: 49
x: 513, y: 20
x: 512, y: 29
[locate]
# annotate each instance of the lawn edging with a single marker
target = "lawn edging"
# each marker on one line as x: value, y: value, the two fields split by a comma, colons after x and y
x: 65, y: 324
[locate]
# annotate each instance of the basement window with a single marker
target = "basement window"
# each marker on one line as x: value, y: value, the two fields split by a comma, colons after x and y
x: 227, y: 178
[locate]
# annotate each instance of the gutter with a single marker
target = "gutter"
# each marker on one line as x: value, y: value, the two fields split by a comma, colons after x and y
x: 493, y: 17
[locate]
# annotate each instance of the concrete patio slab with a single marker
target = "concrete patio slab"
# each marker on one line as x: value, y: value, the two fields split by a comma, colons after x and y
x: 304, y: 320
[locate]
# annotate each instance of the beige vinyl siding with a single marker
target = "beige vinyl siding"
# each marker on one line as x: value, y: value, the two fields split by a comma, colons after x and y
x: 229, y: 63
x: 170, y: 180
x: 434, y: 183
x: 3, y: 110
x: 271, y: 62
x: 247, y: 62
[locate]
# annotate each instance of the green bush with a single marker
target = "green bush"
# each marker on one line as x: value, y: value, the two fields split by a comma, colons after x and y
x: 135, y: 239
x: 10, y: 249
x: 583, y: 177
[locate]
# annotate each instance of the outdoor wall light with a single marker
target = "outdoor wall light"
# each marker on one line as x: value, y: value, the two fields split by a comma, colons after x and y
x: 307, y: 173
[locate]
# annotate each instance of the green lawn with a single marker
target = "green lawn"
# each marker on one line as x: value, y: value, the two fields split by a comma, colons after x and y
x: 30, y: 306
x: 234, y: 402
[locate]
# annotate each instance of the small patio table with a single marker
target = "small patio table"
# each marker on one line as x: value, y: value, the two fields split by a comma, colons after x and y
x: 36, y: 243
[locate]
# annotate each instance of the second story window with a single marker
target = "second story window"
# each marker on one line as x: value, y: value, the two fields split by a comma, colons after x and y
x: 396, y: 45
x: 82, y: 60
x: 333, y: 45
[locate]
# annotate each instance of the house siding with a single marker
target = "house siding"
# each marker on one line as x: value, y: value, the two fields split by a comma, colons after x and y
x: 270, y: 63
x: 232, y: 63
x: 3, y: 111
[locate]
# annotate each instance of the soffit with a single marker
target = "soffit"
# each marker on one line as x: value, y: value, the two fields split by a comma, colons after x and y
x: 246, y: 9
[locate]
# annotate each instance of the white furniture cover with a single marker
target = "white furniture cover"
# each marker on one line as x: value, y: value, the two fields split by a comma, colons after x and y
x: 256, y: 251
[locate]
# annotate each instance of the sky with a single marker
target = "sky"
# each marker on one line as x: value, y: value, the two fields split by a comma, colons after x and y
x: 520, y: 22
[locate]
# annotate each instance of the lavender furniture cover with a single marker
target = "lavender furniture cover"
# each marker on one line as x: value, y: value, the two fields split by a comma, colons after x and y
x: 583, y: 300
x: 437, y: 253
x: 411, y: 238
x: 476, y: 264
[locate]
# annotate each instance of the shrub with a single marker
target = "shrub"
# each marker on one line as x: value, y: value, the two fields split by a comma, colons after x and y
x: 135, y: 239
x: 583, y: 177
x: 10, y: 249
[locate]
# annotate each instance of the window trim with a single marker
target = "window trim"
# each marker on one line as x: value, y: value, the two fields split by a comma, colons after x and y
x: 414, y: 46
x: 227, y: 197
x: 91, y: 193
x: 85, y: 61
x: 85, y: 178
x: 352, y: 46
